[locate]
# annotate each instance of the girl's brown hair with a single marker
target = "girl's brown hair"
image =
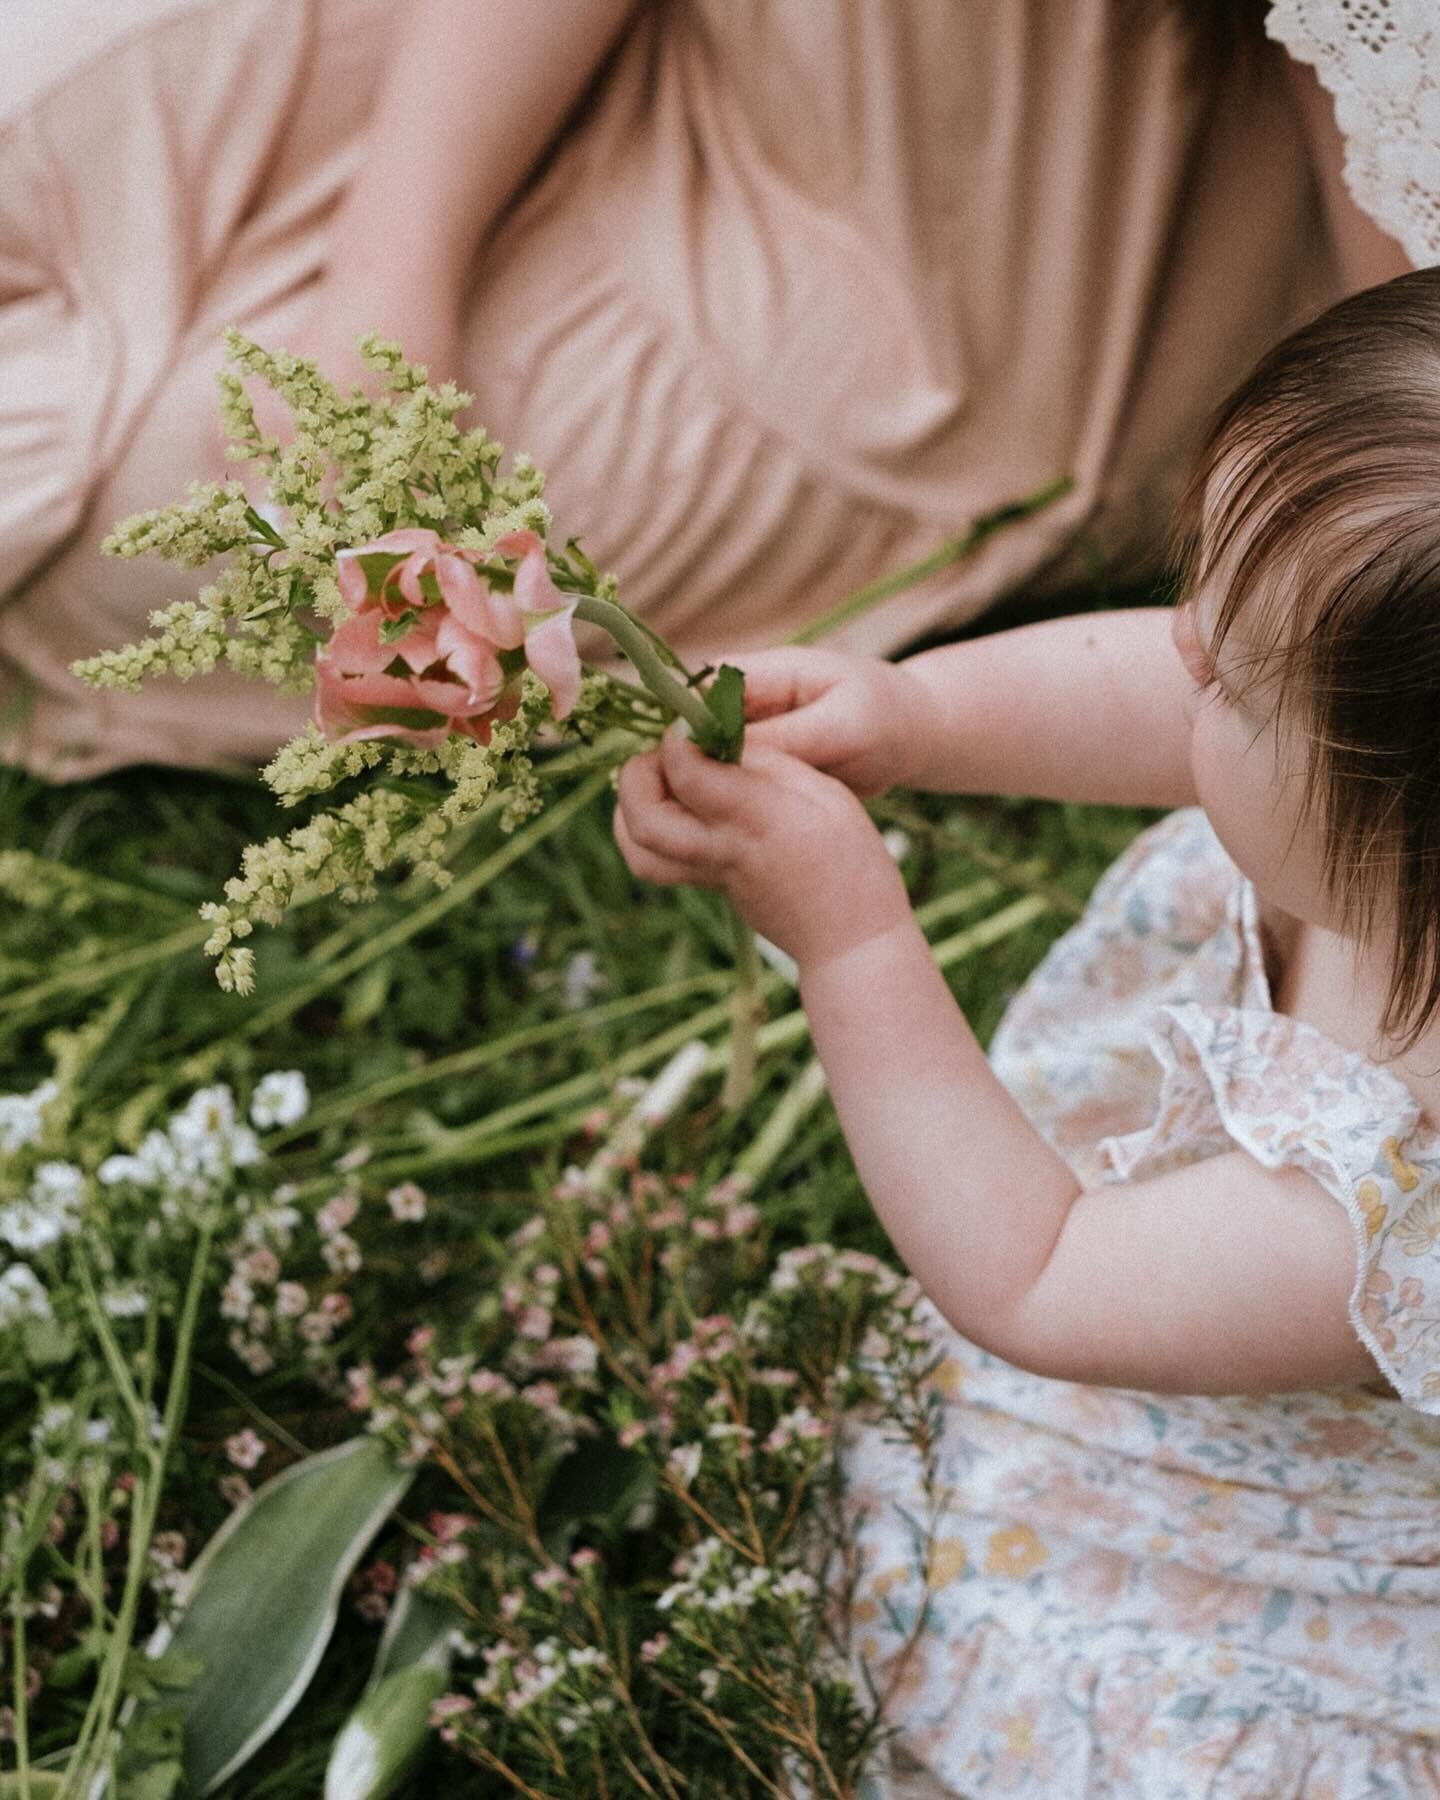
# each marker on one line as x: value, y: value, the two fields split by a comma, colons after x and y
x: 1315, y: 505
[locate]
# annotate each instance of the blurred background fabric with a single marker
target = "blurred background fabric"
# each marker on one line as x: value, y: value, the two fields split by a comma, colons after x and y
x: 796, y: 292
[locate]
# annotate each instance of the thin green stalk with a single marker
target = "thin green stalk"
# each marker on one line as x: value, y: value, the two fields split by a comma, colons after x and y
x: 22, y: 1700
x: 466, y: 1062
x: 105, y: 1702
x: 109, y: 1348
x: 795, y: 1105
x: 1020, y: 875
x: 101, y: 974
x: 747, y: 1014
x: 955, y: 550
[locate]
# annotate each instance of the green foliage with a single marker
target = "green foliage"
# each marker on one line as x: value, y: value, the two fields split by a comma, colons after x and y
x: 478, y: 1032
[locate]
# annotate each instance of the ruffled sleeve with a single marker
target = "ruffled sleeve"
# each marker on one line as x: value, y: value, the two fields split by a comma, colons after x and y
x: 1278, y: 1089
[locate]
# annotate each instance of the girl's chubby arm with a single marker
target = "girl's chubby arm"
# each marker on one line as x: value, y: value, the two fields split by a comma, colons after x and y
x: 1220, y: 1278
x: 1091, y: 708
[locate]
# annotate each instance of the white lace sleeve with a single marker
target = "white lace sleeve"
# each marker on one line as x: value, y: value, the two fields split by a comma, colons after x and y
x: 1381, y: 61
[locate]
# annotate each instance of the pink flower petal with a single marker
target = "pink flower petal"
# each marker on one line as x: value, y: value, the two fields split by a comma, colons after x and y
x: 534, y: 590
x: 519, y: 543
x: 484, y: 613
x: 551, y: 653
x: 411, y: 539
x: 419, y: 647
x: 354, y: 589
x: 355, y: 647
x: 408, y: 575
x: 472, y: 658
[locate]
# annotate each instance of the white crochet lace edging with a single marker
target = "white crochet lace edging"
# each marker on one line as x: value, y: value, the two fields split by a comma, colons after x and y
x: 1381, y: 61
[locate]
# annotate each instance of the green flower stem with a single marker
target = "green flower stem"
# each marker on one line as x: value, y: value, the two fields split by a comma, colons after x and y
x: 747, y: 1004
x: 1026, y: 876
x: 21, y: 1700
x: 480, y: 1056
x: 109, y: 1687
x: 955, y: 550
x: 639, y: 645
x: 102, y: 974
x: 747, y: 1015
x: 795, y: 1105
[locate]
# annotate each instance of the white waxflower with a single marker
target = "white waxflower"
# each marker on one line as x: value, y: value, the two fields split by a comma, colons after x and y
x: 280, y: 1098
x: 25, y: 1226
x: 116, y: 1169
x: 22, y: 1296
x: 124, y: 1302
x: 58, y: 1184
x: 22, y: 1115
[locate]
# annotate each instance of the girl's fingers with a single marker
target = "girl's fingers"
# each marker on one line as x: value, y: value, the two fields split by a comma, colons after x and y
x: 657, y: 823
x: 645, y: 865
x: 713, y: 791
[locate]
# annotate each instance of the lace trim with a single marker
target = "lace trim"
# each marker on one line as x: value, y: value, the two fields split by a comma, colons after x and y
x: 1381, y: 61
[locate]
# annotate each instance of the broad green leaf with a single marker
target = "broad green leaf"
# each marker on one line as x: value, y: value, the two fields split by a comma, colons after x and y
x: 42, y: 1786
x: 417, y: 1631
x: 387, y: 1731
x: 385, y: 1734
x: 261, y: 1600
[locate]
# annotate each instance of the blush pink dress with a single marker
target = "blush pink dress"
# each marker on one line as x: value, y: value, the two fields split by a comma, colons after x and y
x: 800, y: 291
x: 1157, y: 1595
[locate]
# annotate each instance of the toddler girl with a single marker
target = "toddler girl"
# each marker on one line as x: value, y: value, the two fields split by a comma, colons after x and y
x: 1182, y: 1232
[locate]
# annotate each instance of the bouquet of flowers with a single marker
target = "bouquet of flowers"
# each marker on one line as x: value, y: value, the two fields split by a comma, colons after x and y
x: 396, y: 570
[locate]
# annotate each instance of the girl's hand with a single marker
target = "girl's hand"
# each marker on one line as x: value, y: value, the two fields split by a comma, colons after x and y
x: 867, y: 722
x: 792, y: 848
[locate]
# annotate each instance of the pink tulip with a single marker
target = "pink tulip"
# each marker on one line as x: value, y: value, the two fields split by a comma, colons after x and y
x: 444, y: 672
x: 549, y: 621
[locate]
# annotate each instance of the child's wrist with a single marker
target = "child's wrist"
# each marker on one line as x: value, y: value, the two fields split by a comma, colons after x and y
x: 923, y: 729
x: 862, y: 957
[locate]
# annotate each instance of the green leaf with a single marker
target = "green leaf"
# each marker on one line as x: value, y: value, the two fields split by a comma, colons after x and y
x: 417, y: 1631
x: 158, y: 1782
x: 42, y: 1786
x: 385, y: 1735
x: 261, y: 1600
x: 598, y: 1483
x: 47, y: 1342
x: 725, y: 698
x: 387, y: 1732
x: 392, y: 630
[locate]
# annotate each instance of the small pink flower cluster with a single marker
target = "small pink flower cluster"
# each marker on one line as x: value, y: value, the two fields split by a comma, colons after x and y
x: 430, y: 648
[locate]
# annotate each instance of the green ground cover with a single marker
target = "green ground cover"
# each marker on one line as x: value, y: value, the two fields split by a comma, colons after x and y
x: 471, y: 1041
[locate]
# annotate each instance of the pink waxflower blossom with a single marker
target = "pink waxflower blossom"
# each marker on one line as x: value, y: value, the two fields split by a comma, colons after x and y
x: 245, y: 1448
x: 336, y: 1214
x: 430, y: 648
x: 407, y: 1202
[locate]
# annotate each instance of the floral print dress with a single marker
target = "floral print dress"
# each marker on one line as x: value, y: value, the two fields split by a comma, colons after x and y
x: 1162, y: 1596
